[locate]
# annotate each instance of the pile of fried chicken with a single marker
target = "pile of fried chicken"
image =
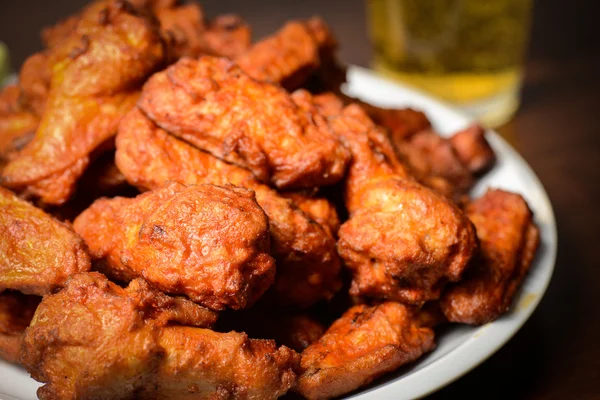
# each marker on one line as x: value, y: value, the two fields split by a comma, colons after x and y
x: 190, y: 215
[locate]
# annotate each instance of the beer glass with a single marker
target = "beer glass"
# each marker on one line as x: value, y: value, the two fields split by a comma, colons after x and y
x: 468, y: 52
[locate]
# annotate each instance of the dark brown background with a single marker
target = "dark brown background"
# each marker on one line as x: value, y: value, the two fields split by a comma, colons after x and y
x: 556, y: 355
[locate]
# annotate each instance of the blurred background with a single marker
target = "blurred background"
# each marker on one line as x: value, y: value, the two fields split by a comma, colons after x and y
x: 556, y: 355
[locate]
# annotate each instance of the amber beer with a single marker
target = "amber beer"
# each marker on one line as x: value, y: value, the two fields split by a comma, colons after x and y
x: 469, y: 52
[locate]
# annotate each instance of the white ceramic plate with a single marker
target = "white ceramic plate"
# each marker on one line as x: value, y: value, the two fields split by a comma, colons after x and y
x: 460, y: 348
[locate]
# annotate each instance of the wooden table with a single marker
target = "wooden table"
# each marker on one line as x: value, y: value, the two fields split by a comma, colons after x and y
x: 556, y: 355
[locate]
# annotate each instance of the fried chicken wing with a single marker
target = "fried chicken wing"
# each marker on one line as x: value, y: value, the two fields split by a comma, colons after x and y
x: 96, y: 74
x: 400, y: 123
x: 228, y: 35
x: 300, y: 53
x: 203, y: 364
x: 288, y: 57
x: 95, y: 340
x: 509, y: 239
x: 473, y: 149
x: 213, y: 105
x: 331, y: 73
x: 17, y: 124
x: 319, y: 209
x: 189, y: 35
x: 52, y: 35
x: 183, y: 27
x: 37, y: 252
x: 446, y: 165
x: 207, y: 242
x: 430, y: 158
x: 16, y: 311
x: 402, y: 241
x: 308, y: 268
x: 365, y: 343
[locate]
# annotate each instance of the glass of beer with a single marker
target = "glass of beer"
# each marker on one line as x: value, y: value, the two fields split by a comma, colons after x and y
x: 468, y: 52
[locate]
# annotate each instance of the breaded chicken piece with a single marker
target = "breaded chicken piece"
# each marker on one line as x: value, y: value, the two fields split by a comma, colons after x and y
x: 402, y: 241
x: 216, y: 107
x: 96, y: 340
x: 52, y: 35
x: 16, y: 311
x: 207, y: 242
x: 319, y: 209
x: 289, y: 56
x: 509, y: 239
x: 228, y: 35
x: 96, y: 74
x: 294, y: 330
x: 308, y: 267
x: 447, y: 165
x: 203, y: 364
x: 432, y: 158
x: 189, y: 35
x: 37, y: 252
x: 300, y: 54
x: 473, y: 149
x: 182, y: 27
x: 17, y: 124
x: 399, y: 123
x: 365, y: 343
x: 331, y: 73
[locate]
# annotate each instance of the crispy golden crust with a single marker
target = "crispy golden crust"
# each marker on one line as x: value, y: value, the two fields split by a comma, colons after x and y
x: 16, y: 311
x: 308, y: 268
x: 37, y: 253
x: 202, y: 364
x: 213, y: 105
x: 17, y: 124
x: 96, y: 72
x: 365, y: 343
x: 509, y: 240
x: 402, y: 241
x: 319, y: 209
x: 95, y: 340
x: 207, y: 242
